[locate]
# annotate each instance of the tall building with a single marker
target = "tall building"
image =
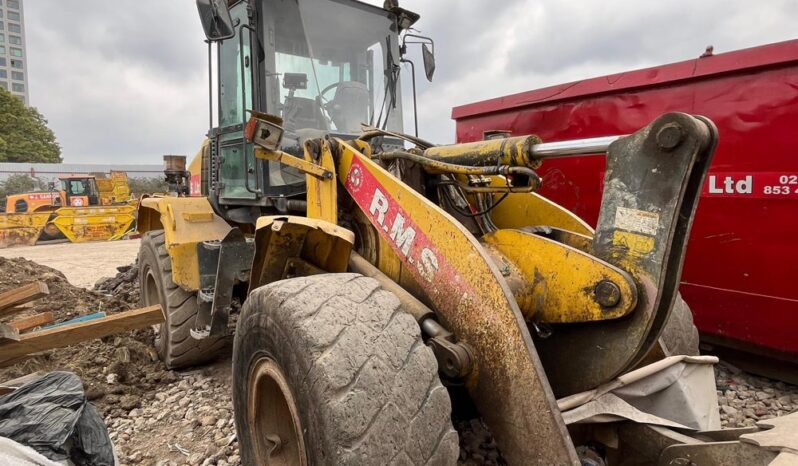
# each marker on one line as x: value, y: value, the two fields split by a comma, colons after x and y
x: 13, y: 55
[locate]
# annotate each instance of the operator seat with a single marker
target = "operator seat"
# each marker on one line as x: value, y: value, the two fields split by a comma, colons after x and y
x: 349, y: 108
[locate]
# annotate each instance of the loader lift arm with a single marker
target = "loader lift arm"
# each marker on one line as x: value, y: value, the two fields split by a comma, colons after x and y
x: 653, y: 180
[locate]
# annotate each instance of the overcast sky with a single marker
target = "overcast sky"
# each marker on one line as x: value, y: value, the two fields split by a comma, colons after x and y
x: 125, y: 80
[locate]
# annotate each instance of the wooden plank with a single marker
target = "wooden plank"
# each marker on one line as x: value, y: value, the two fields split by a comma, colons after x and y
x: 58, y: 337
x: 10, y: 385
x: 36, y: 320
x: 20, y: 308
x: 22, y: 295
x: 8, y: 334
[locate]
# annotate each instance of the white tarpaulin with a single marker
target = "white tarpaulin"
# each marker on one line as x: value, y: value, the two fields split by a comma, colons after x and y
x: 678, y: 391
x: 17, y: 454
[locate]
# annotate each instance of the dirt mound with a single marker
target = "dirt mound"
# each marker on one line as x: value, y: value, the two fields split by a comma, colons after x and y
x: 117, y: 370
x: 154, y: 415
x: 65, y: 301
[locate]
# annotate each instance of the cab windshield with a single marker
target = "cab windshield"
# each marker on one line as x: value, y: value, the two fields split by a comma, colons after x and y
x: 335, y: 66
x: 324, y: 66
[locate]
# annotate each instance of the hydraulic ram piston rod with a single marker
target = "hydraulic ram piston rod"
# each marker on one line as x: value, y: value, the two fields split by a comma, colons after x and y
x: 552, y: 150
x: 520, y: 151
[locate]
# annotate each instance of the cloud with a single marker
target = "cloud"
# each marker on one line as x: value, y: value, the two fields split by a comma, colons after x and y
x: 489, y: 49
x: 118, y: 81
x: 126, y: 80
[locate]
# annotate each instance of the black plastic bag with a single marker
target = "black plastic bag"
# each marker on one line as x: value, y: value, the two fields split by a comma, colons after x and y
x: 51, y: 415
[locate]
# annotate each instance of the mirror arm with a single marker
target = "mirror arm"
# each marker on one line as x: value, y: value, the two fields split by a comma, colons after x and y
x: 424, y: 40
x: 413, y: 79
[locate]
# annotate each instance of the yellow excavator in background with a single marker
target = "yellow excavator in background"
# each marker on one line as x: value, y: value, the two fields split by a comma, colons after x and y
x: 384, y: 278
x: 91, y: 207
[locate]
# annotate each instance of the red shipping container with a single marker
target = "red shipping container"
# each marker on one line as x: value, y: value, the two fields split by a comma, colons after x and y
x: 742, y: 260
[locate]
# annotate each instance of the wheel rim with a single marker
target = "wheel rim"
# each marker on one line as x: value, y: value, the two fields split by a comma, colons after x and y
x: 273, y: 416
x: 51, y: 230
x: 151, y: 295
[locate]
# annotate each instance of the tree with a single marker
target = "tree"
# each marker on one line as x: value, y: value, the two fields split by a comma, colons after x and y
x: 24, y: 135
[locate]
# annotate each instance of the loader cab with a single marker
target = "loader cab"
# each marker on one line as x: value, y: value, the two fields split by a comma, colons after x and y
x: 79, y: 191
x: 323, y: 66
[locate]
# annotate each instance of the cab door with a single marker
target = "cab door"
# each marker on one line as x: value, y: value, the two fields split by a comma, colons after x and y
x: 237, y: 172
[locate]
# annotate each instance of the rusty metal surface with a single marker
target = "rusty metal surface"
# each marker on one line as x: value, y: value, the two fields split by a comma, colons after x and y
x: 562, y: 284
x: 278, y: 239
x: 716, y: 454
x: 21, y: 229
x: 643, y: 443
x: 646, y: 444
x: 106, y: 223
x: 471, y: 299
x: 781, y: 434
x: 651, y: 192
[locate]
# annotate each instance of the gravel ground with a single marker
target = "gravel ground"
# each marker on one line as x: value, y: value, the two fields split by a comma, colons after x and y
x: 188, y: 421
x: 744, y: 398
x: 175, y: 418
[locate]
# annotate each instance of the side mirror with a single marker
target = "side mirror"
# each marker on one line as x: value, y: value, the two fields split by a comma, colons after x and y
x: 216, y: 20
x: 429, y: 61
x: 427, y: 51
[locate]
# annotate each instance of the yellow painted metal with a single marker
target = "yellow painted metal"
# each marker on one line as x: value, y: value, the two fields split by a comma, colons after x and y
x: 520, y: 210
x: 83, y: 224
x: 515, y: 151
x: 113, y: 188
x: 21, y: 229
x: 473, y: 300
x: 322, y: 193
x: 302, y: 165
x: 560, y: 282
x: 281, y: 239
x: 633, y: 246
x: 186, y: 221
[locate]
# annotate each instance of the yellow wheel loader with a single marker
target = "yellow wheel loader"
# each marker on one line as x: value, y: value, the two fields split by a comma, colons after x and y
x: 383, y: 276
x: 95, y: 207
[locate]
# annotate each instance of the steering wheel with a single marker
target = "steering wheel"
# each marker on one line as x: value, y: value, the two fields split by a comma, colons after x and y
x: 328, y: 89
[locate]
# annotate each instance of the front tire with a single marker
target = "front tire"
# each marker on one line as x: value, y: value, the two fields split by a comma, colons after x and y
x: 328, y: 369
x: 680, y: 335
x: 174, y: 343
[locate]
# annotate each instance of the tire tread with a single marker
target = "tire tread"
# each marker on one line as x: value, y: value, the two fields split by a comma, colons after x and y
x: 363, y: 361
x: 181, y: 349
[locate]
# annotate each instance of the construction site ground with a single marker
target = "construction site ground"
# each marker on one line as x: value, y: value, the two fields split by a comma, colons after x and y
x: 82, y: 263
x: 160, y: 417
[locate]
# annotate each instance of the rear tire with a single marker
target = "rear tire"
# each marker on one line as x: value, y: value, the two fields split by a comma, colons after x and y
x: 358, y: 384
x: 174, y: 343
x: 680, y: 335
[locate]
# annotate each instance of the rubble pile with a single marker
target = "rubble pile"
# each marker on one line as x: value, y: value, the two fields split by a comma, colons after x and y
x: 124, y: 286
